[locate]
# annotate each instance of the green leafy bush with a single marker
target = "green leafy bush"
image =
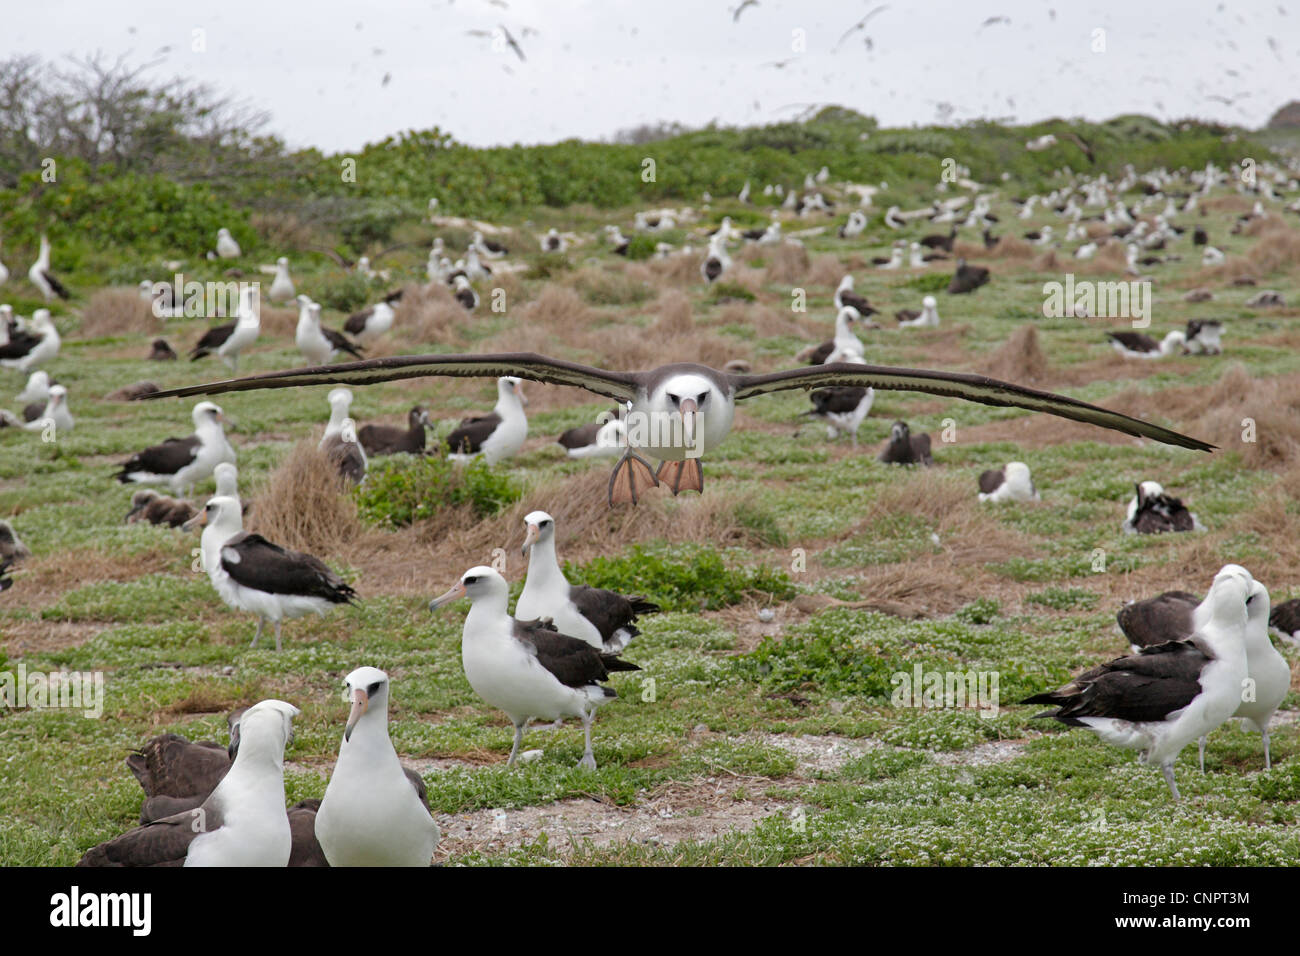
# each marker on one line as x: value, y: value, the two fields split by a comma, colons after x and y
x: 685, y: 578
x: 401, y: 490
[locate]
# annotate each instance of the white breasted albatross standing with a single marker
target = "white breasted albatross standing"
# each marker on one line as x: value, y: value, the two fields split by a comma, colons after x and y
x: 37, y: 388
x: 372, y: 814
x: 1011, y: 482
x: 41, y: 276
x: 227, y: 247
x: 54, y: 413
x: 682, y: 411
x: 317, y: 343
x: 252, y: 574
x: 339, y: 443
x: 241, y: 823
x: 842, y: 407
x: 842, y: 346
x: 182, y: 462
x: 228, y: 340
x: 604, y: 619
x: 525, y: 668
x: 1159, y: 701
x: 282, y: 289
x: 498, y: 434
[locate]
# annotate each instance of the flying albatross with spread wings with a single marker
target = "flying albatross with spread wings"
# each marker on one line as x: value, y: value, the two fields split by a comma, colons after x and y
x: 680, y: 412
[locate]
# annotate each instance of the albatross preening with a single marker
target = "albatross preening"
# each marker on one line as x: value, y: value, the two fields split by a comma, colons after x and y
x: 241, y: 823
x: 1160, y: 700
x: 528, y: 669
x: 373, y: 814
x: 1152, y: 511
x: 252, y: 574
x: 682, y: 411
x: 604, y: 619
x: 181, y: 462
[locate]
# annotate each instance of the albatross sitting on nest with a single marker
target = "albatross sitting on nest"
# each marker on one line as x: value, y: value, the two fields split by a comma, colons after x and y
x: 241, y: 823
x: 682, y: 411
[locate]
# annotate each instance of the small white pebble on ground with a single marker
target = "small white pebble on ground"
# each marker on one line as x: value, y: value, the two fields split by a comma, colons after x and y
x: 766, y: 614
x: 528, y: 756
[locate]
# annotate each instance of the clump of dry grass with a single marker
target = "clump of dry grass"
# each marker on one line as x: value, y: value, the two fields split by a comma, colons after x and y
x: 427, y: 315
x: 1019, y: 359
x: 279, y: 322
x: 788, y: 263
x: 306, y: 505
x: 1048, y: 262
x: 118, y: 311
x: 605, y: 286
x: 828, y: 270
x: 1008, y: 247
x: 765, y: 320
x: 558, y: 309
x: 678, y: 270
x: 673, y: 314
x: 1232, y: 412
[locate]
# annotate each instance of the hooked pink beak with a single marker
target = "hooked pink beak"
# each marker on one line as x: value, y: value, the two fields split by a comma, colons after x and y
x: 457, y: 591
x: 690, y: 411
x: 533, y: 532
x: 519, y: 390
x: 360, y: 704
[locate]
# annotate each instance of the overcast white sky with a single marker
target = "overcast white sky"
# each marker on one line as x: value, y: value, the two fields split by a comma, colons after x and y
x: 596, y: 66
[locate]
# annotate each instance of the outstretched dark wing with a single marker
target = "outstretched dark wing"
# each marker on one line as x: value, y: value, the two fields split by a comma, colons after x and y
x: 972, y: 388
x: 526, y: 365
x: 256, y: 563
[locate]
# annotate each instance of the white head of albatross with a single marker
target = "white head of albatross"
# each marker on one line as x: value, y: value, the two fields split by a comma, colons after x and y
x: 372, y: 814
